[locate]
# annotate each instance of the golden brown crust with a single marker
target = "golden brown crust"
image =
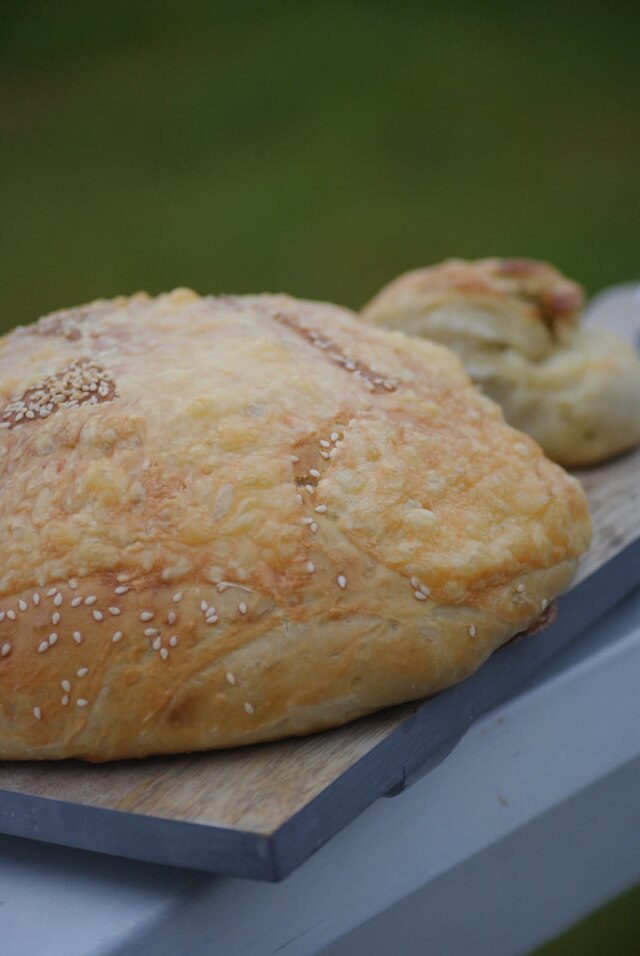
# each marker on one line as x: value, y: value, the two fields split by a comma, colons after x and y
x: 272, y: 519
x: 514, y: 322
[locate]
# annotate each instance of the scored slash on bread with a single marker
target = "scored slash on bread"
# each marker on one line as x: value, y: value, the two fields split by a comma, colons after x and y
x: 278, y: 519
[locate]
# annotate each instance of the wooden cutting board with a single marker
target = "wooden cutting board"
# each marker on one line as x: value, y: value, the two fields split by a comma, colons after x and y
x: 260, y: 811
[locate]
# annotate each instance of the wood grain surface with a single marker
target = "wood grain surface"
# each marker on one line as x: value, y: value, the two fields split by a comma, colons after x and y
x: 259, y: 788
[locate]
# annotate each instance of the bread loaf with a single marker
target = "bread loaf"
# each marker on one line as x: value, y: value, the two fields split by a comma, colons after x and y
x: 228, y: 520
x: 515, y: 324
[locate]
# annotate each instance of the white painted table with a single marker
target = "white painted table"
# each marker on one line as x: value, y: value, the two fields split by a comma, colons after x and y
x: 531, y: 822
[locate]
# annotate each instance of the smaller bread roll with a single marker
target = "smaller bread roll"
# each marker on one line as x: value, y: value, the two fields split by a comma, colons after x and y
x: 514, y: 323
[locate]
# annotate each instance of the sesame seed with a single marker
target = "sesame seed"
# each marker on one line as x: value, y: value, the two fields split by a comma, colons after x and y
x: 544, y: 604
x: 36, y: 599
x: 310, y: 489
x: 173, y: 641
x: 51, y: 592
x: 520, y: 588
x: 37, y: 713
x: 164, y: 653
x: 472, y: 631
x: 295, y: 459
x: 321, y: 509
x: 114, y: 611
x: 121, y: 589
x: 242, y: 607
x: 324, y: 443
x: 306, y: 521
x: 313, y: 527
x: 90, y: 600
x: 77, y: 636
x: 325, y: 454
x: 156, y: 644
x: 76, y: 601
x: 150, y: 631
x: 66, y: 685
x: 81, y: 702
x: 58, y: 599
x: 212, y: 619
x: 83, y: 672
x: 299, y: 499
x: 419, y: 596
x: 314, y: 472
x: 97, y: 615
x: 43, y: 646
x: 73, y: 583
x: 177, y: 596
x: 211, y: 611
x: 248, y: 707
x: 22, y: 605
x: 415, y: 584
x: 55, y: 617
x: 53, y: 639
x: 334, y: 436
x: 1, y: 616
x: 6, y: 649
x: 11, y: 614
x: 342, y: 581
x: 171, y: 617
x: 65, y: 700
x: 146, y: 615
x: 230, y: 678
x: 203, y: 605
x: 116, y: 637
x: 424, y: 590
x: 310, y: 567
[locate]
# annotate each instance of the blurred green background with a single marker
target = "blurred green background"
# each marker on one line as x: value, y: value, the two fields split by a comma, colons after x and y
x: 318, y: 149
x: 314, y: 148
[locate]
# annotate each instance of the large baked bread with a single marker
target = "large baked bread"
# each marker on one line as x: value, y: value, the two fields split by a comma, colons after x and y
x: 514, y: 322
x: 225, y: 520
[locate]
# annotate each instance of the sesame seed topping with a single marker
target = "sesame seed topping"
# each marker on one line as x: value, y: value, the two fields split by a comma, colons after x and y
x: 203, y: 605
x: 122, y: 576
x: 334, y: 436
x: 321, y: 509
x: 212, y: 619
x: 66, y: 685
x: 156, y: 644
x: 173, y: 641
x: 324, y: 443
x: 520, y: 588
x: 146, y: 616
x: 6, y: 649
x: 472, y: 631
x: 81, y: 702
x: 325, y: 454
x: 242, y: 607
x: 90, y: 600
x: 424, y: 590
x: 53, y: 639
x: 314, y: 472
x: 22, y: 605
x: 342, y: 581
x: 164, y: 653
x: 313, y: 527
x: 171, y: 617
x: 419, y: 596
x: 121, y: 589
x: 114, y: 611
x: 65, y: 700
x: 1, y: 616
x: 77, y: 636
x: 150, y: 631
x: 36, y: 599
x: 310, y: 489
x: 11, y: 614
x: 43, y: 646
x: 55, y: 617
x: 58, y: 599
x: 76, y: 601
x: 177, y: 596
x: 73, y: 583
x: 37, y: 713
x: 310, y: 567
x: 230, y: 678
x: 248, y: 707
x: 51, y: 592
x: 83, y: 672
x: 415, y: 584
x: 116, y: 637
x: 299, y: 499
x: 295, y: 459
x: 544, y: 604
x: 306, y: 521
x: 97, y: 615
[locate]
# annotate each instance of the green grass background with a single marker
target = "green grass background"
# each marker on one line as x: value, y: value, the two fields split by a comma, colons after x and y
x: 317, y: 148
